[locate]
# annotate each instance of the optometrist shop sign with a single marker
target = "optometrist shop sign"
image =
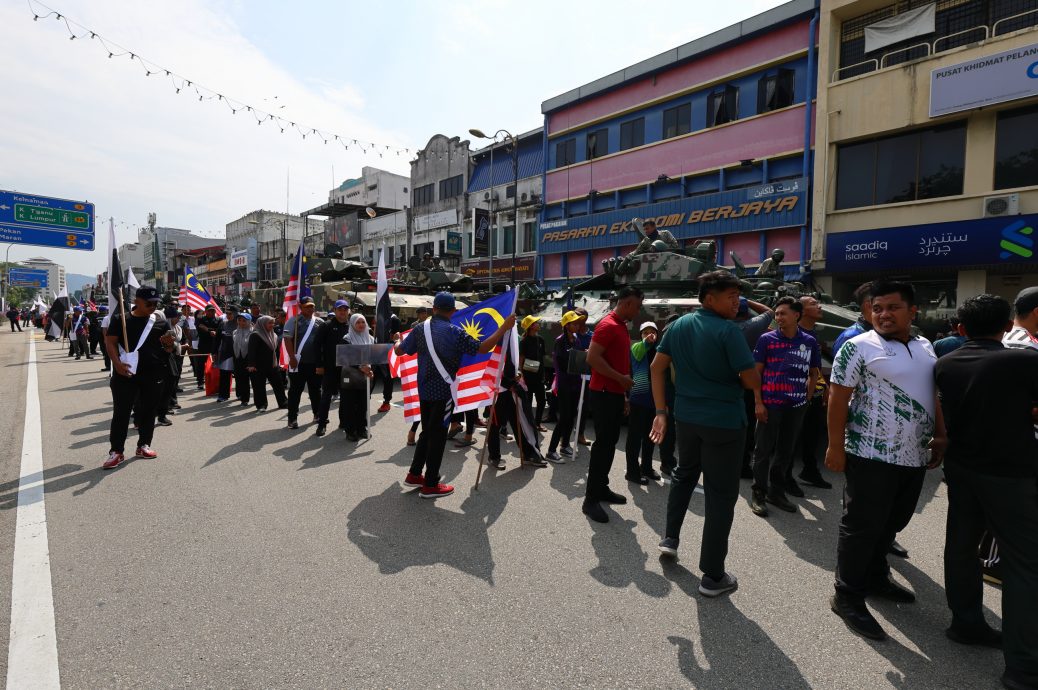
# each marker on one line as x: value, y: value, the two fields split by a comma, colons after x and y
x: 967, y: 243
x: 985, y: 81
x: 775, y: 205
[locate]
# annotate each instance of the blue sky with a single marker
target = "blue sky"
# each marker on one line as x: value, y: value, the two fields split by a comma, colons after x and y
x: 88, y: 127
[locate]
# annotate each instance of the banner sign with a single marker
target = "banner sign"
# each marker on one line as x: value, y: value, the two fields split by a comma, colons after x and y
x: 252, y: 266
x: 965, y: 243
x: 776, y: 205
x: 432, y: 221
x: 480, y: 232
x: 985, y: 81
x: 454, y: 243
x: 525, y: 267
x: 28, y: 277
x: 240, y: 259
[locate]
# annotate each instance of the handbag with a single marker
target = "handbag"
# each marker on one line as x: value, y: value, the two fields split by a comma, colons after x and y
x: 531, y: 365
x: 353, y: 379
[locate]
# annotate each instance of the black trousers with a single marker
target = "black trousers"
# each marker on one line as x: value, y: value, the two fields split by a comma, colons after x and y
x: 566, y: 407
x: 535, y: 383
x: 751, y: 428
x: 198, y: 368
x: 108, y: 360
x: 773, y: 448
x: 242, y: 380
x: 1009, y: 508
x: 140, y: 395
x: 259, y: 381
x: 879, y: 499
x: 382, y: 371
x: 169, y: 390
x: 584, y: 412
x: 307, y: 377
x: 469, y: 416
x: 81, y: 345
x: 639, y: 424
x: 716, y: 455
x: 667, y: 460
x: 330, y: 383
x: 504, y: 415
x: 352, y: 411
x: 428, y: 453
x: 95, y: 340
x: 609, y: 416
x: 15, y: 324
x: 813, y: 437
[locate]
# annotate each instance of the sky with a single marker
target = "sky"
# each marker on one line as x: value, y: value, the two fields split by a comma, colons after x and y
x: 79, y: 125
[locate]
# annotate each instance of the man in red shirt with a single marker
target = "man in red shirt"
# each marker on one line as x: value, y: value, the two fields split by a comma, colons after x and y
x: 610, y: 360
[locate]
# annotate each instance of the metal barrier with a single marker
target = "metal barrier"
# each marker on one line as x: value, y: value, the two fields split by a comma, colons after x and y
x: 883, y: 60
x: 859, y: 64
x: 994, y: 27
x: 987, y: 34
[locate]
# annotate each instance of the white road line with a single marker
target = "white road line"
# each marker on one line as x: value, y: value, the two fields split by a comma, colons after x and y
x: 32, y: 659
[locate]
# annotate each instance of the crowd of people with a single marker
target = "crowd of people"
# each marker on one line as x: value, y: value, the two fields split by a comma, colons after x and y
x: 734, y: 389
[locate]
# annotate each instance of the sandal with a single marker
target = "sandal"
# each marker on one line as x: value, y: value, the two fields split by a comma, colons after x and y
x: 463, y: 443
x: 541, y: 428
x: 454, y: 432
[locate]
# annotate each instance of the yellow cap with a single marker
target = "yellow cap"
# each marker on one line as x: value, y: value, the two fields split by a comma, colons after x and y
x: 529, y: 321
x: 569, y: 317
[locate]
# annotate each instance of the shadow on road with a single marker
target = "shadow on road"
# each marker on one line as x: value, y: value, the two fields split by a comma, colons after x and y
x: 60, y: 478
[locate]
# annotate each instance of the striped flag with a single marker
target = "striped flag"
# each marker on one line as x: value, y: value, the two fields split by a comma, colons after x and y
x: 296, y: 290
x: 405, y: 368
x: 196, y: 296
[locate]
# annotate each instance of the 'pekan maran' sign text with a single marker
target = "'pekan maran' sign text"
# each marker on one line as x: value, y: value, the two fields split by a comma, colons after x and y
x: 738, y: 210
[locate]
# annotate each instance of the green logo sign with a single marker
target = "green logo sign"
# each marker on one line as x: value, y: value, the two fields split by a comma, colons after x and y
x: 24, y: 213
x: 1017, y: 241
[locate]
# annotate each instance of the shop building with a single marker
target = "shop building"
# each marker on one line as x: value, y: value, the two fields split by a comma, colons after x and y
x: 440, y: 175
x: 712, y: 139
x: 927, y: 164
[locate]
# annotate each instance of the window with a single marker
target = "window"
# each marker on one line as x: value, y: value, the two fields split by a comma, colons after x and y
x: 451, y: 187
x: 509, y: 239
x: 529, y: 237
x: 269, y: 271
x: 1016, y: 149
x: 775, y: 91
x: 510, y: 191
x: 722, y: 106
x: 924, y: 164
x: 565, y: 153
x: 597, y: 143
x: 443, y: 248
x: 632, y: 133
x: 423, y: 195
x: 677, y: 121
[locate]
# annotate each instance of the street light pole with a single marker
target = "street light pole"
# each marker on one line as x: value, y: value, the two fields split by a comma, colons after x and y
x: 515, y: 176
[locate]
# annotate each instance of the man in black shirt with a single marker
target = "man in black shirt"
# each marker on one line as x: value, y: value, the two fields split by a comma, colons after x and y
x: 988, y: 394
x: 140, y: 373
x: 331, y: 335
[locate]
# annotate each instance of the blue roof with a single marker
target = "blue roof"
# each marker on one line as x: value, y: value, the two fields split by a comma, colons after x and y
x: 531, y: 163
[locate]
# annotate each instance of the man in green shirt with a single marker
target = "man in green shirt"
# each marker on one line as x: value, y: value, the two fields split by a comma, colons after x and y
x: 712, y: 364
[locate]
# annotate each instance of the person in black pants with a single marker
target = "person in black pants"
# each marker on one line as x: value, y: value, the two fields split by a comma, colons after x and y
x: 12, y: 316
x: 263, y: 365
x: 609, y: 357
x: 640, y: 409
x: 353, y: 400
x: 240, y: 352
x: 332, y: 334
x: 531, y: 363
x: 209, y: 335
x: 301, y: 335
x: 507, y: 413
x: 168, y: 402
x: 449, y: 343
x: 137, y: 388
x: 567, y: 388
x: 989, y: 395
x: 225, y: 354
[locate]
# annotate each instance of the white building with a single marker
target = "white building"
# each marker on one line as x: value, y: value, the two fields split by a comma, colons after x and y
x: 55, y: 273
x: 277, y: 236
x: 132, y: 256
x: 390, y: 231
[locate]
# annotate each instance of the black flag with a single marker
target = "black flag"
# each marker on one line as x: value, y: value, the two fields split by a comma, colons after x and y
x: 57, y: 313
x: 383, y: 310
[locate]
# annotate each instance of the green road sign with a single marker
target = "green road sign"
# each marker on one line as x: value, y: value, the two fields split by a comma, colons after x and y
x: 24, y: 213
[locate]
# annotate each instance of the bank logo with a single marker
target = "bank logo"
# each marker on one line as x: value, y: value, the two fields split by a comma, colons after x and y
x: 1017, y: 241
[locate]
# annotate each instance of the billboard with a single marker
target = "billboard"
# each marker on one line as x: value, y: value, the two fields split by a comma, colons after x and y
x: 991, y: 79
x: 480, y: 232
x: 342, y: 230
x: 28, y: 277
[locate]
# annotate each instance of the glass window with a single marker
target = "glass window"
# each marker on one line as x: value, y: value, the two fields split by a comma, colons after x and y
x: 855, y: 175
x: 508, y: 245
x: 942, y: 162
x: 775, y: 91
x: 1016, y: 149
x: 565, y: 153
x: 677, y: 121
x: 896, y: 168
x: 451, y: 187
x: 423, y: 195
x: 597, y: 143
x: 632, y: 134
x: 722, y: 106
x: 529, y: 237
x: 443, y: 248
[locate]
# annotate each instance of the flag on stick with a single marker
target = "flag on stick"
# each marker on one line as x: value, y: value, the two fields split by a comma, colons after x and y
x: 295, y: 291
x: 383, y: 310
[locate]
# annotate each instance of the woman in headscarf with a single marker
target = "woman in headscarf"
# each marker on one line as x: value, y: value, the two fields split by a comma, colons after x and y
x: 353, y: 400
x: 262, y: 364
x: 240, y: 353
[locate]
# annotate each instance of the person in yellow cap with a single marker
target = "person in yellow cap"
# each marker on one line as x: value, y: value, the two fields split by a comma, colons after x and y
x: 531, y: 363
x: 566, y: 387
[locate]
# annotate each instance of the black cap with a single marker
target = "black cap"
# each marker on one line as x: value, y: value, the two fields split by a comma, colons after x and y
x: 147, y: 293
x: 306, y: 300
x: 171, y: 312
x: 1026, y: 301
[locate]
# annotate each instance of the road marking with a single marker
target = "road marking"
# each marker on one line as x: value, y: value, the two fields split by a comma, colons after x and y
x: 32, y: 658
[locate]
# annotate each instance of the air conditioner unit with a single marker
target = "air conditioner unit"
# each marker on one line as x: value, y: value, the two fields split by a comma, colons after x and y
x: 486, y: 196
x: 523, y: 197
x: 1002, y: 205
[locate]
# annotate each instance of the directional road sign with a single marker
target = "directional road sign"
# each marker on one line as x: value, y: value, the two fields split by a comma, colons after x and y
x: 46, y: 221
x: 28, y: 277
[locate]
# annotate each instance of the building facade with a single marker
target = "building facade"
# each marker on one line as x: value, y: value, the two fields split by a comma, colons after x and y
x: 158, y: 246
x: 928, y: 147
x: 258, y: 246
x: 711, y: 139
x: 440, y: 176
x: 494, y: 195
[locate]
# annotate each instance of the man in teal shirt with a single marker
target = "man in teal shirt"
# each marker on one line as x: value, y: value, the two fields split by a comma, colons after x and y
x: 712, y: 364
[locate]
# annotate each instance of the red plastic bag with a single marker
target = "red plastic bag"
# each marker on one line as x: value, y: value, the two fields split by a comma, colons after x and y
x: 212, y: 377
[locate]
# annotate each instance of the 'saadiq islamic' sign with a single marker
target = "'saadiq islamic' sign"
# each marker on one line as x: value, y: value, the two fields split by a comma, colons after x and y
x: 991, y: 79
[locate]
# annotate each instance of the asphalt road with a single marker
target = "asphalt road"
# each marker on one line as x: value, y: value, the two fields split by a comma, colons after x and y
x: 248, y: 555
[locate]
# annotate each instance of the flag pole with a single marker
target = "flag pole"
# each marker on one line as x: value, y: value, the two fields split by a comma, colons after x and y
x: 493, y: 404
x: 122, y: 320
x: 520, y: 437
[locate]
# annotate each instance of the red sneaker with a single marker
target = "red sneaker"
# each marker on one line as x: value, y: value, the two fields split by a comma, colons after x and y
x: 384, y: 407
x: 145, y: 452
x: 415, y: 481
x: 437, y: 491
x: 113, y: 461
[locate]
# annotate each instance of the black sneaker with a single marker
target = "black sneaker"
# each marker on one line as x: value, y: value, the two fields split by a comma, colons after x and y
x: 781, y: 502
x: 815, y: 479
x: 792, y: 488
x: 162, y: 421
x: 637, y: 479
x: 352, y: 437
x: 897, y: 550
x: 651, y: 475
x: 669, y: 547
x: 496, y: 463
x: 594, y: 511
x: 757, y: 504
x: 610, y: 496
x: 293, y: 424
x: 892, y: 591
x: 709, y: 587
x: 981, y: 635
x: 857, y: 617
x: 321, y: 429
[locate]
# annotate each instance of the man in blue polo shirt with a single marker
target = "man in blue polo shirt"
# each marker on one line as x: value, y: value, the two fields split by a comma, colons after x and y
x: 449, y: 343
x: 712, y: 365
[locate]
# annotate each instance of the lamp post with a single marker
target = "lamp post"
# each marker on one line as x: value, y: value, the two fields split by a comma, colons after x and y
x: 515, y: 192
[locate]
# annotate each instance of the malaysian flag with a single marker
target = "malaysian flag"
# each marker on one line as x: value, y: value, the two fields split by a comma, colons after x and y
x: 296, y: 290
x: 196, y: 296
x: 479, y: 375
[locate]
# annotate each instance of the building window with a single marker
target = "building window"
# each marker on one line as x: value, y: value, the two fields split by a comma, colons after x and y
x: 1016, y: 149
x: 443, y: 248
x: 509, y: 239
x: 722, y: 106
x: 565, y: 153
x: 423, y: 195
x: 269, y: 271
x: 923, y: 164
x: 529, y: 237
x: 451, y: 187
x: 632, y: 133
x: 597, y: 143
x: 510, y: 191
x: 775, y: 91
x: 677, y: 121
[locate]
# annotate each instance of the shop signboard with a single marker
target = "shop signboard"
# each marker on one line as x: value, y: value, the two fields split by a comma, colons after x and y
x: 454, y: 243
x: 525, y: 266
x: 987, y: 80
x: 1009, y: 239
